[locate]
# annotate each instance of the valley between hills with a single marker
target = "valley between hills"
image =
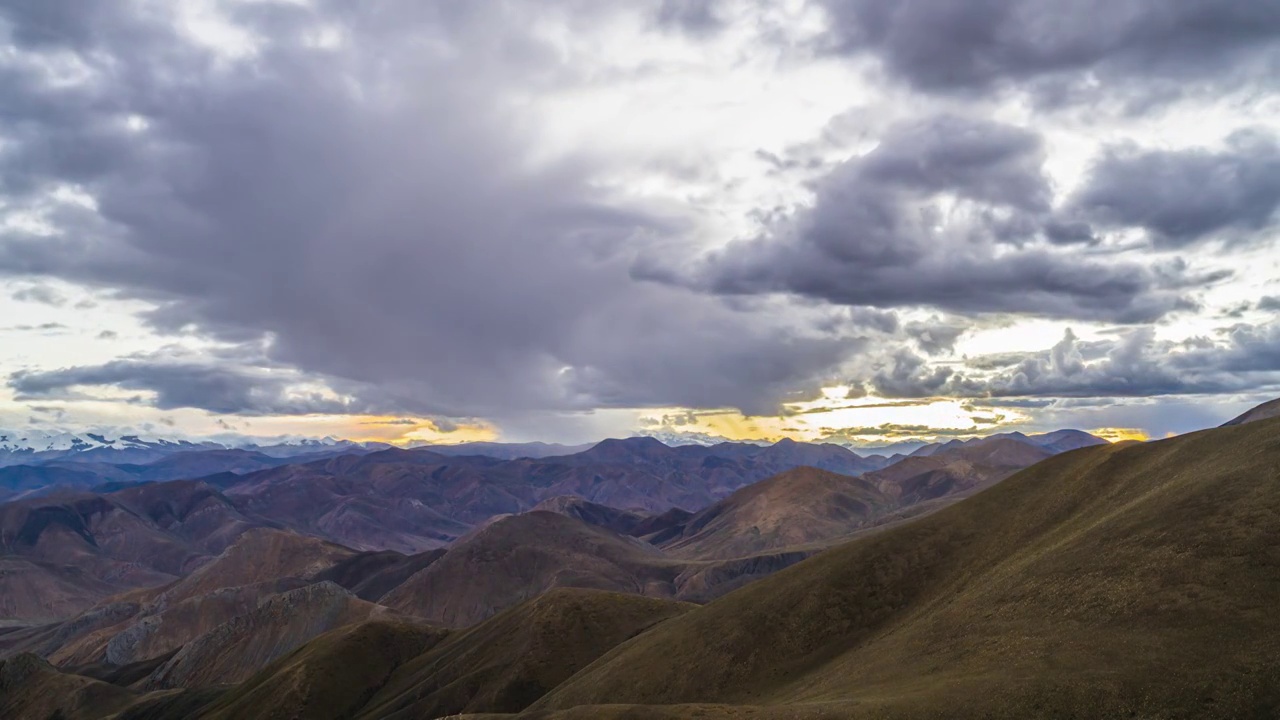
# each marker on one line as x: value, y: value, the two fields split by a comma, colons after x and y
x: 1011, y: 576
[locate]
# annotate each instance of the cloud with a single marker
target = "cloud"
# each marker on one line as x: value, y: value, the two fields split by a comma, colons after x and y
x: 48, y: 327
x: 176, y: 382
x: 1134, y: 364
x: 375, y: 206
x: 946, y: 212
x: 1269, y: 302
x: 40, y: 294
x: 956, y: 46
x: 936, y: 335
x: 1182, y: 196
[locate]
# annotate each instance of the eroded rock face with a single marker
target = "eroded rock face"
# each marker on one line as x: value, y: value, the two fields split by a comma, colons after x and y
x: 236, y: 649
x: 164, y: 627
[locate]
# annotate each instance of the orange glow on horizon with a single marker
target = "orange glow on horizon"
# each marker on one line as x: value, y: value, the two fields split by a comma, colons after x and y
x: 1121, y: 434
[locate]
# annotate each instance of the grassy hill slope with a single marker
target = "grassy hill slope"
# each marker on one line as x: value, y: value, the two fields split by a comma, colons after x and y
x: 1136, y: 580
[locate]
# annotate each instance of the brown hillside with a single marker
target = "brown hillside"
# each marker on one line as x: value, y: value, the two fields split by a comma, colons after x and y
x: 521, y: 556
x: 794, y: 508
x: 955, y: 472
x: 31, y: 688
x: 513, y: 658
x: 233, y: 651
x: 1115, y: 581
x: 260, y: 555
x: 66, y: 553
x: 332, y: 676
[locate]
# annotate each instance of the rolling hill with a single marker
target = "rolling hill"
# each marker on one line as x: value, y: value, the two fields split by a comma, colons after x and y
x: 794, y: 508
x: 521, y: 556
x: 1131, y: 580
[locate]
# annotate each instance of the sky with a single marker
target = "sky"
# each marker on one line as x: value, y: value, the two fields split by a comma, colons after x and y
x: 448, y: 220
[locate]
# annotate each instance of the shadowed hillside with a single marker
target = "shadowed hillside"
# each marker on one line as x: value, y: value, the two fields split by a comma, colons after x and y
x: 63, y: 554
x: 512, y: 659
x: 237, y: 648
x: 1136, y: 580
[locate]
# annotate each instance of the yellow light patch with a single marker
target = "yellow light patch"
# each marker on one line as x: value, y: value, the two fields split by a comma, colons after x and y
x: 1121, y: 434
x: 870, y: 420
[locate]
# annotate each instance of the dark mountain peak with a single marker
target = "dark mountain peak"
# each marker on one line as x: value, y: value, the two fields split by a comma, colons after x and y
x: 641, y: 442
x: 634, y: 448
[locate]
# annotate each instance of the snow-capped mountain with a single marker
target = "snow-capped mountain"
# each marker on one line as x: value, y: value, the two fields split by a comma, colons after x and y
x: 36, y: 446
x: 37, y: 441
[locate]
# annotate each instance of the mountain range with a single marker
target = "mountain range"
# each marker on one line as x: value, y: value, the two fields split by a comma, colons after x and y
x: 1008, y: 576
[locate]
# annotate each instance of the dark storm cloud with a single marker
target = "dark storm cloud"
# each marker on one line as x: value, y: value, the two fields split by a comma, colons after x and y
x: 1181, y: 196
x: 946, y: 212
x: 371, y: 208
x: 967, y: 45
x: 218, y: 388
x: 908, y: 375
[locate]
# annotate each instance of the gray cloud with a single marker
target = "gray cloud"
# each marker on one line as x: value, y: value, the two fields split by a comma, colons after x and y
x: 1133, y: 364
x: 372, y: 209
x: 965, y: 45
x: 217, y: 384
x: 937, y: 336
x: 48, y: 327
x: 39, y: 294
x: 376, y: 215
x: 1269, y: 302
x: 1181, y: 196
x: 946, y: 212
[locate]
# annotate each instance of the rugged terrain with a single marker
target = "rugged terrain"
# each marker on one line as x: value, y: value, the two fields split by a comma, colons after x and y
x: 1133, y: 580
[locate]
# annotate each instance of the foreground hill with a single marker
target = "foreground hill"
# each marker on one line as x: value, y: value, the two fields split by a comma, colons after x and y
x: 514, y: 658
x: 1136, y: 580
x: 384, y: 668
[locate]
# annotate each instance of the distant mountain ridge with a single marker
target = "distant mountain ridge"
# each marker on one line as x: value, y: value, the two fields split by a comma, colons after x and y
x: 1056, y: 441
x: 27, y: 447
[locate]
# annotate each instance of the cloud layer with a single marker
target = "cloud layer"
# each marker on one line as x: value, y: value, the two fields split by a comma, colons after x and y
x: 331, y: 208
x: 952, y: 213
